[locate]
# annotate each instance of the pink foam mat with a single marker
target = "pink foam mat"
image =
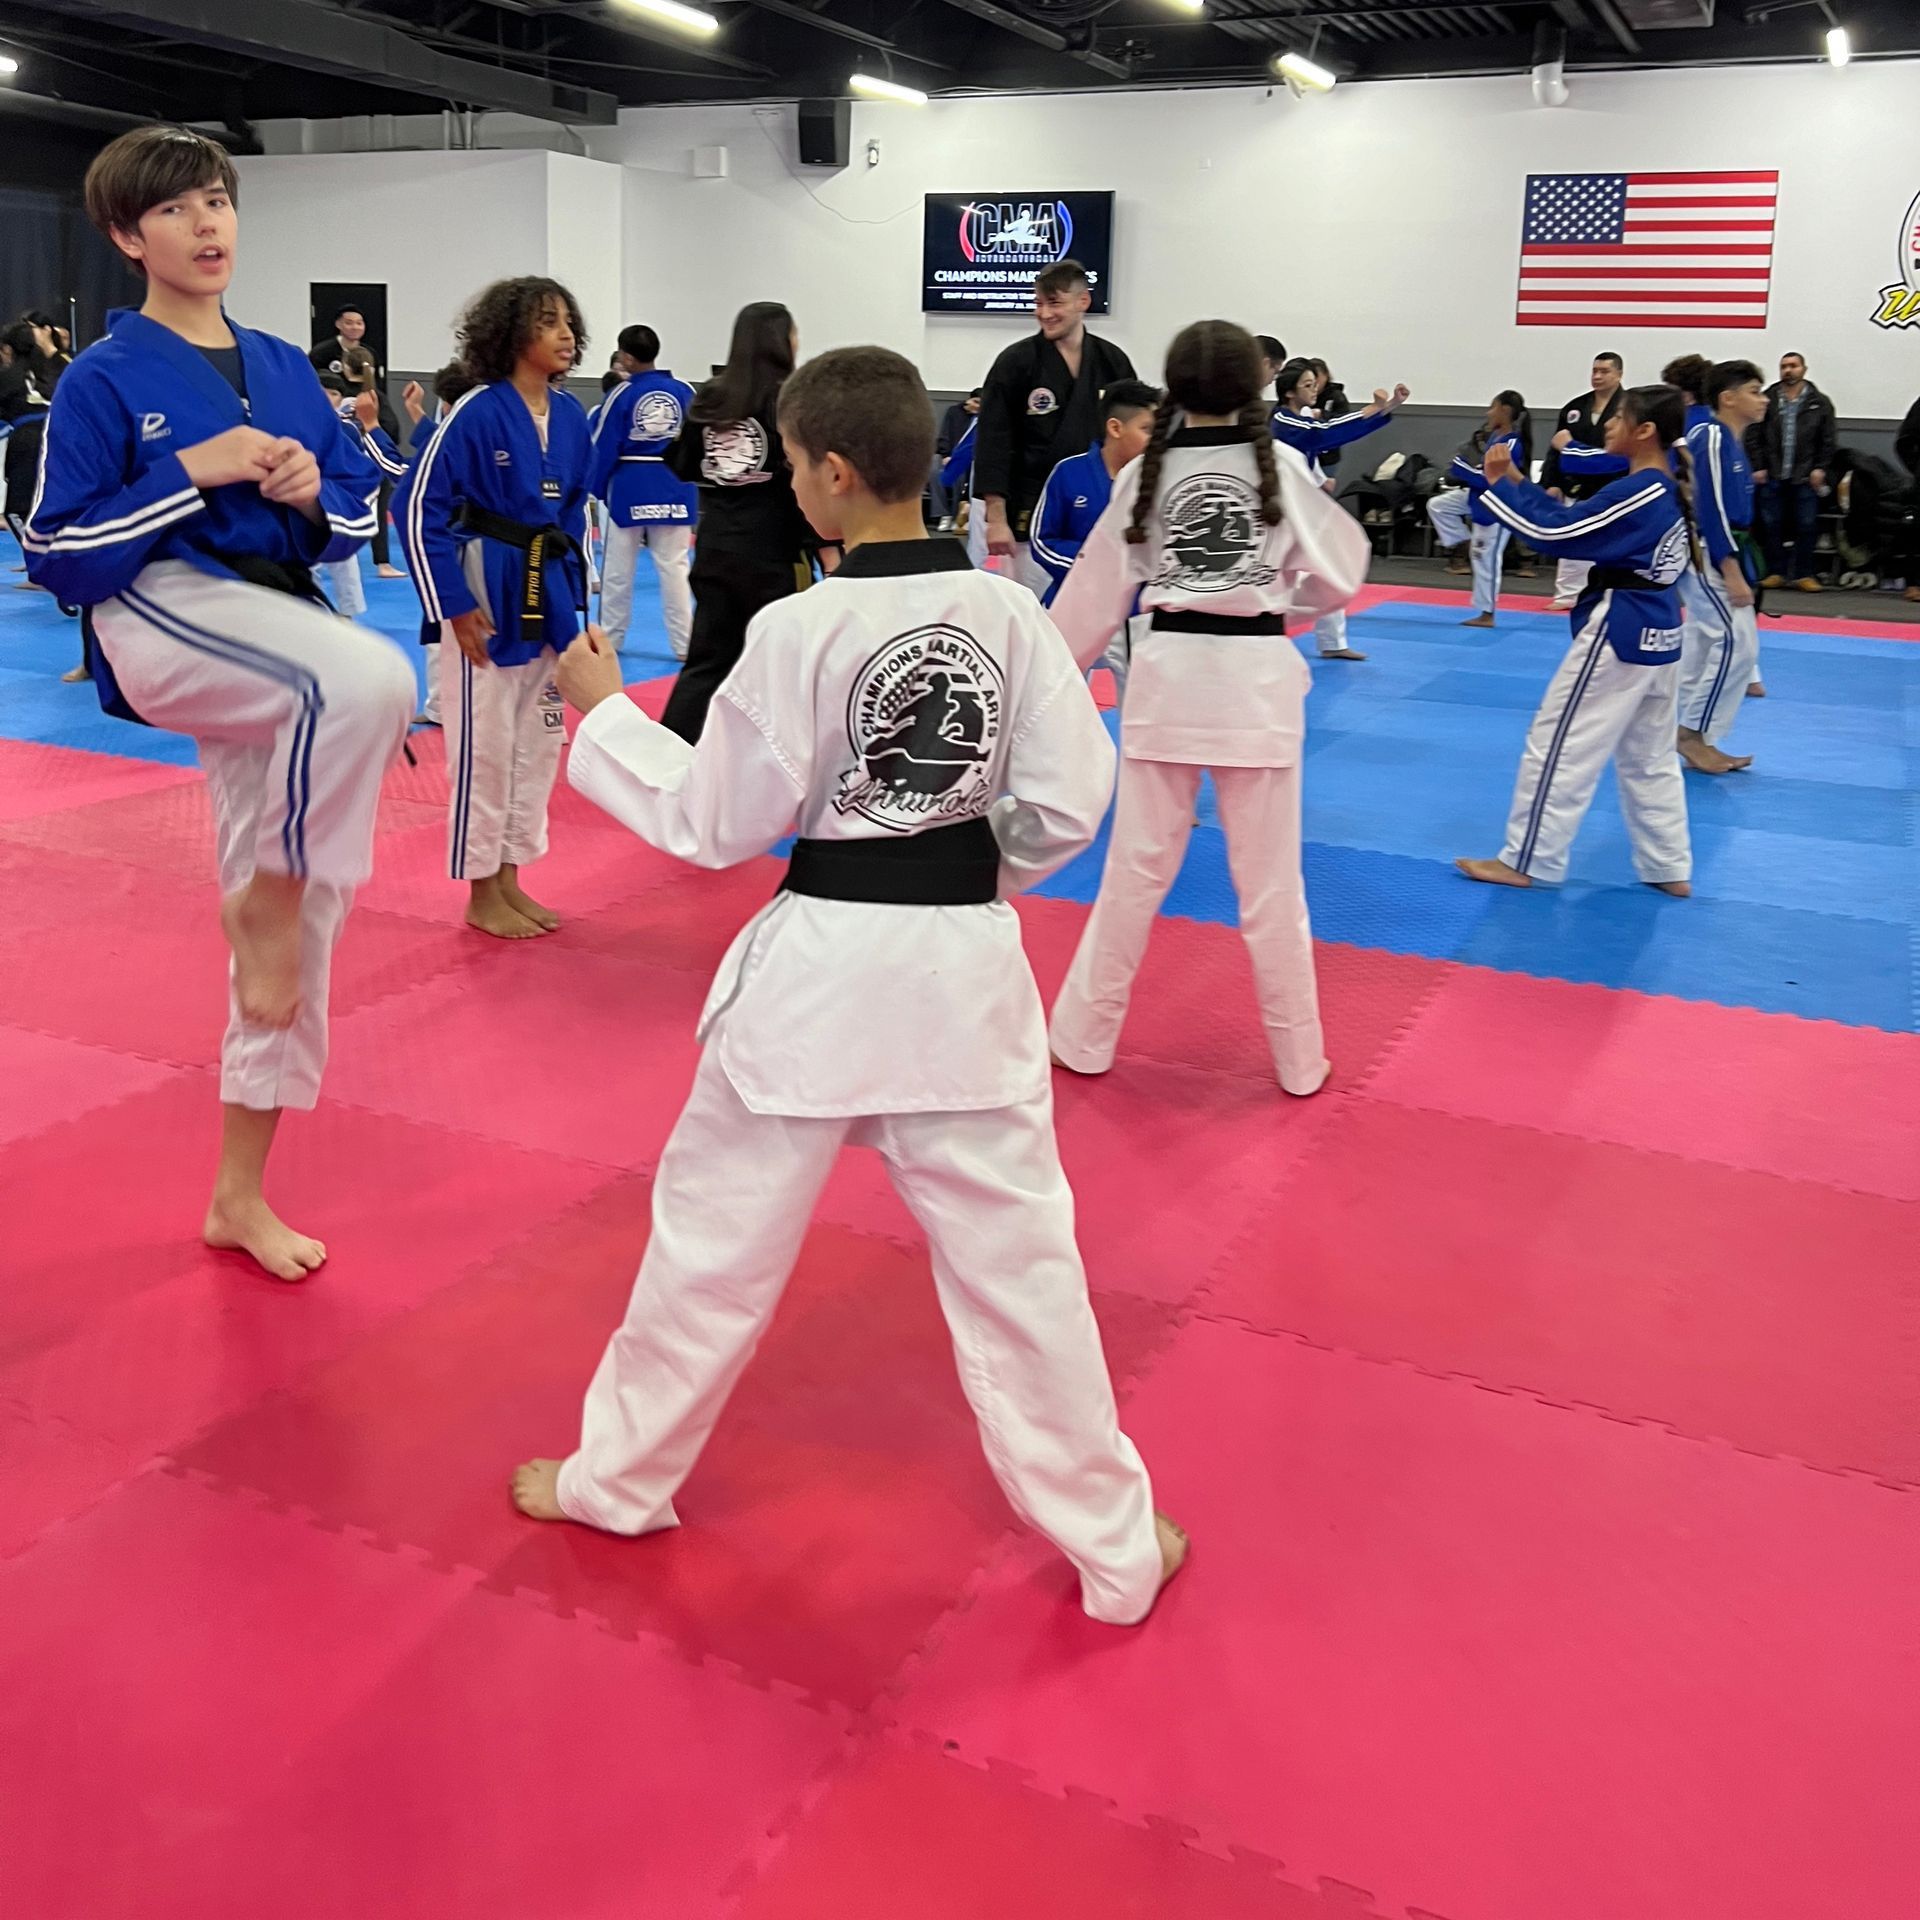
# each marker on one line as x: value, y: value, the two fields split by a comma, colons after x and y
x: 1769, y: 1312
x: 1807, y: 1099
x: 331, y: 1730
x: 1477, y: 1655
x: 845, y: 1473
x: 904, y: 1832
x: 48, y: 1080
x: 403, y: 1209
x: 36, y: 779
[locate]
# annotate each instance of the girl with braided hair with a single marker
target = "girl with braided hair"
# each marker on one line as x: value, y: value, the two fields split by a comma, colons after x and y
x: 1228, y: 540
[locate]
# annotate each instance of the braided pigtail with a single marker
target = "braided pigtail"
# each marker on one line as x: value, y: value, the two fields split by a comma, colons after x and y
x: 1163, y: 415
x: 1253, y: 417
x: 1682, y: 456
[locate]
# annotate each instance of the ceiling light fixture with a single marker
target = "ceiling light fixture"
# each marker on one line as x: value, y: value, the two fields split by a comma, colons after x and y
x: 1839, y: 47
x: 1298, y: 71
x: 877, y: 89
x: 8, y: 64
x: 1188, y: 6
x: 670, y: 13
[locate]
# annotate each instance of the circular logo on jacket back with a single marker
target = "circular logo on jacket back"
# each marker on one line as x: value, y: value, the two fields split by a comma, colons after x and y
x: 923, y: 717
x: 736, y: 454
x: 1214, y: 536
x: 657, y: 417
x: 1043, y: 400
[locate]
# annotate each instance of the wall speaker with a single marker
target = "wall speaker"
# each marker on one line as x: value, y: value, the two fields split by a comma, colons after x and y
x: 826, y: 132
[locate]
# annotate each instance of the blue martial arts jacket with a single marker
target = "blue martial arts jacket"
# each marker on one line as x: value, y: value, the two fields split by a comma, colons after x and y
x: 114, y: 496
x: 1309, y: 437
x: 635, y: 425
x: 1474, y: 478
x: 1594, y: 463
x: 1071, y: 502
x: 1722, y: 494
x: 1635, y: 534
x: 485, y: 457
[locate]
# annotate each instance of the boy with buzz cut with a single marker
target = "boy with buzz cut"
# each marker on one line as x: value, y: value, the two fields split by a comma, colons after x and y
x: 925, y: 728
x: 194, y: 474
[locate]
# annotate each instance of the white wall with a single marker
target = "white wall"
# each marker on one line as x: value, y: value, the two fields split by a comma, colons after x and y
x: 1378, y: 224
x: 436, y: 227
x: 583, y: 246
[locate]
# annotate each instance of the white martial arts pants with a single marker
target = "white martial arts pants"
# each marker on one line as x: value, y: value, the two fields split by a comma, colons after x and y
x: 1152, y: 822
x: 731, y: 1203
x: 430, y: 707
x: 1719, y: 656
x: 297, y: 715
x: 1600, y: 708
x: 1452, y: 516
x: 504, y: 729
x: 670, y: 547
x: 1330, y: 631
x: 340, y: 581
x: 1570, y: 581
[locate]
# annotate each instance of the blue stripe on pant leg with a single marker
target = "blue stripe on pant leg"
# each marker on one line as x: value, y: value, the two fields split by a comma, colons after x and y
x: 1723, y: 612
x: 286, y: 673
x: 1537, y: 812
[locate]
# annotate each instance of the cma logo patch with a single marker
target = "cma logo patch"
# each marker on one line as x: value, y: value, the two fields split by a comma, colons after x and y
x: 657, y: 417
x: 1043, y: 400
x: 922, y: 721
x: 1214, y: 536
x: 153, y: 426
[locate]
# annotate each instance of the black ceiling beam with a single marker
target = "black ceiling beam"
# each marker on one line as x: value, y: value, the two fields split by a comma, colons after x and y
x: 318, y: 39
x: 1611, y: 18
x: 1047, y: 37
x: 825, y: 23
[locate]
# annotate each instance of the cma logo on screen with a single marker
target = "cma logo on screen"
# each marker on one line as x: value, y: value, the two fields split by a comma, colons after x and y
x: 1016, y: 230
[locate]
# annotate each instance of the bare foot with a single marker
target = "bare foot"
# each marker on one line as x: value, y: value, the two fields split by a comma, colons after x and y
x: 1495, y: 873
x: 74, y: 675
x: 262, y: 924
x: 1702, y: 756
x: 1174, y: 1548
x: 1343, y: 653
x: 252, y: 1227
x: 1315, y: 1082
x: 536, y: 1490
x: 1757, y: 690
x: 1680, y: 889
x: 524, y: 903
x: 390, y: 573
x: 1479, y: 620
x: 489, y: 909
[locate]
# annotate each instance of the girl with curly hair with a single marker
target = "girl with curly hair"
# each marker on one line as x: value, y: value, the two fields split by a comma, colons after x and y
x: 494, y: 519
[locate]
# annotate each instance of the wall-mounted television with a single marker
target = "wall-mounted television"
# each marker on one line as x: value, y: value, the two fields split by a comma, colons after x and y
x: 981, y: 250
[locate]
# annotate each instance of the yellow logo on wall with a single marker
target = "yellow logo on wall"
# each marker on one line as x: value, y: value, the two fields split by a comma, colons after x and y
x: 1900, y: 303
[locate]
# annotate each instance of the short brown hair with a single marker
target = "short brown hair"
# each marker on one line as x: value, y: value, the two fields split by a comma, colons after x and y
x: 135, y: 173
x: 1064, y: 276
x: 868, y: 405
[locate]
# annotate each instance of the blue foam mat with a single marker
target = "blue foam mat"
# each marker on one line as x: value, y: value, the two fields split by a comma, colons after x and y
x: 1807, y: 886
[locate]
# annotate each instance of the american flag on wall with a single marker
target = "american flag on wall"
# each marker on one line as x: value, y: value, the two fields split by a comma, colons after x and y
x: 1647, y: 249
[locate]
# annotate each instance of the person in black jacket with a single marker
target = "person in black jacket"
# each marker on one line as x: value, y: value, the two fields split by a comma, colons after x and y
x: 1792, y: 453
x: 1584, y: 420
x: 1041, y: 403
x: 754, y: 545
x: 1906, y: 446
x: 953, y: 429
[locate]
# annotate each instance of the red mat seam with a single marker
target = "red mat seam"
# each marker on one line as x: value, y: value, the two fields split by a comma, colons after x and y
x: 73, y: 1515
x: 1585, y: 1408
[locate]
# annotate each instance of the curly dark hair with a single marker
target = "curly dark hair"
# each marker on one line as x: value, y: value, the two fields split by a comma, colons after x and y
x: 501, y: 320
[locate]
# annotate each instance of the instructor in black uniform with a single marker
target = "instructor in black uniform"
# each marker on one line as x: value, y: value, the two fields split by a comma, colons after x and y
x: 1040, y: 404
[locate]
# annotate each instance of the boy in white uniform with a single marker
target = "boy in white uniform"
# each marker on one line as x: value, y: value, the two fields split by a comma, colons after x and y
x: 932, y: 737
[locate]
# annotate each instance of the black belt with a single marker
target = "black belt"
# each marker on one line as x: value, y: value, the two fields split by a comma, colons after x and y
x: 956, y: 866
x: 538, y: 543
x: 292, y: 577
x: 1179, y: 620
